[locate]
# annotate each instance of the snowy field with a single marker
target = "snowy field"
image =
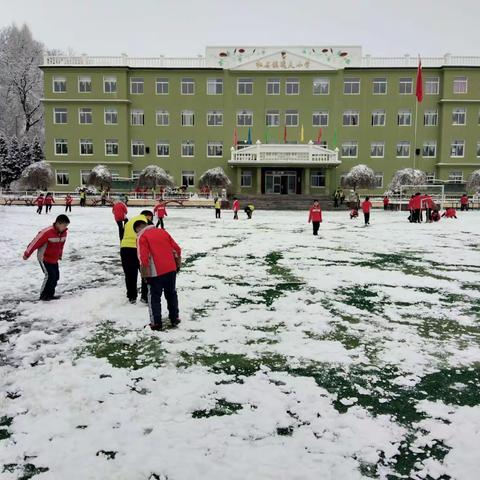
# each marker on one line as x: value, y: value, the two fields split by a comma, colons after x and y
x: 352, y: 355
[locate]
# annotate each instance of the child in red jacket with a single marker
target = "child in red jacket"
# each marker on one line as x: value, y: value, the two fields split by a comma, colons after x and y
x: 160, y: 211
x: 49, y: 200
x: 120, y: 211
x: 68, y: 203
x: 450, y: 213
x: 366, y: 206
x: 49, y: 243
x: 39, y: 201
x: 315, y: 216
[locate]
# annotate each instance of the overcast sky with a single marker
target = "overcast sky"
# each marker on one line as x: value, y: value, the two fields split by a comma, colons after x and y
x: 185, y: 27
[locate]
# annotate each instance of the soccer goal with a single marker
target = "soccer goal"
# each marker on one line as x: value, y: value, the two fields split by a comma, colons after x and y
x: 437, y: 192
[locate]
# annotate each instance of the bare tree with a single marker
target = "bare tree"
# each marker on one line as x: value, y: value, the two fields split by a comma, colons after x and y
x: 153, y: 176
x: 37, y: 176
x: 21, y: 81
x: 100, y: 176
x: 474, y: 181
x: 214, y: 178
x: 360, y: 176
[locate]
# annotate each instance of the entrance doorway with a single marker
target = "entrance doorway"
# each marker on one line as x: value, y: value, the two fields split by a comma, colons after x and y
x: 281, y: 182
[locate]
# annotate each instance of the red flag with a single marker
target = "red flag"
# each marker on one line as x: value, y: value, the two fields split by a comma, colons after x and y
x: 319, y: 136
x: 285, y: 134
x: 419, y: 87
x: 235, y: 137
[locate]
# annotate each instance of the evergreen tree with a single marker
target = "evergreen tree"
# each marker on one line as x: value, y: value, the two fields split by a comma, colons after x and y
x: 3, y: 157
x: 25, y: 155
x: 11, y: 168
x: 37, y: 151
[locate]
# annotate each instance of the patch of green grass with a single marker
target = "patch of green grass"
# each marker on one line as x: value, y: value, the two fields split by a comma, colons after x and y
x: 5, y: 422
x: 222, y: 407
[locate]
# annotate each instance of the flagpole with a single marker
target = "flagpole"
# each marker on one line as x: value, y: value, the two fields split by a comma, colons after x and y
x: 415, y: 135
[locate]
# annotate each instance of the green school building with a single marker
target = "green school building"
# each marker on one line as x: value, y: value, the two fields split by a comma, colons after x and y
x: 278, y: 120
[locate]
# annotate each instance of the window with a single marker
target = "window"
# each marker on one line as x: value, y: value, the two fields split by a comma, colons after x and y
x: 430, y: 118
x: 60, y: 115
x: 457, y: 148
x: 246, y: 179
x: 244, y: 118
x: 62, y: 176
x: 459, y: 116
x: 272, y: 118
x: 244, y: 86
x: 432, y: 86
x: 455, y: 177
x: 136, y: 85
x: 379, y: 86
x: 460, y: 85
x: 350, y: 149
x: 188, y: 118
x: 292, y: 86
x: 187, y: 86
x: 378, y: 180
x: 429, y: 149
x: 273, y: 86
x: 214, y: 86
x: 59, y: 84
x: 188, y: 178
x: 111, y: 116
x: 291, y: 118
x: 430, y: 177
x: 86, y: 146
x: 84, y: 174
x: 163, y: 149
x: 161, y: 86
x: 378, y: 118
x: 188, y: 149
x: 321, y: 86
x: 110, y: 84
x: 162, y: 118
x: 320, y: 118
x: 403, y: 149
x: 377, y: 149
x: 351, y: 118
x: 84, y: 84
x: 111, y: 146
x: 405, y: 86
x: 137, y: 117
x: 317, y: 178
x: 85, y: 116
x: 61, y: 146
x: 404, y: 118
x: 214, y: 149
x: 215, y: 118
x: 351, y: 86
x: 138, y: 148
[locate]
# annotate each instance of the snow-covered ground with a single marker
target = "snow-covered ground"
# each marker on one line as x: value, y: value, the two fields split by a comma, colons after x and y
x: 352, y: 355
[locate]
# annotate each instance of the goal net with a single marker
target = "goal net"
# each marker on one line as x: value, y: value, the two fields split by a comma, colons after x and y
x: 437, y: 192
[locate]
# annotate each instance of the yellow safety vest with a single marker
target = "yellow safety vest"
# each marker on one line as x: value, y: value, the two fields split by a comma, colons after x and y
x: 129, y: 236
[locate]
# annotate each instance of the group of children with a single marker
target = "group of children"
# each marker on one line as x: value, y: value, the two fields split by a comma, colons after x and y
x: 424, y: 203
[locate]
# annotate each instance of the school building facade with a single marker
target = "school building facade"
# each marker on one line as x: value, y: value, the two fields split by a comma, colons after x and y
x: 278, y: 120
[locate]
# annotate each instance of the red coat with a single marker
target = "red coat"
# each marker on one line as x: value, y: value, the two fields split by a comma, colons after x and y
x: 49, y: 200
x: 464, y: 200
x: 39, y: 201
x: 386, y: 201
x: 315, y: 214
x: 68, y: 200
x: 366, y: 206
x: 410, y: 204
x: 417, y: 202
x: 120, y: 211
x: 49, y: 244
x: 428, y: 202
x: 450, y: 212
x: 160, y: 211
x: 236, y: 205
x: 155, y: 249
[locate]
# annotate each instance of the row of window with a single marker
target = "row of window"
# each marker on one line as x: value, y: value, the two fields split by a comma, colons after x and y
x: 349, y: 149
x: 273, y: 86
x: 272, y: 117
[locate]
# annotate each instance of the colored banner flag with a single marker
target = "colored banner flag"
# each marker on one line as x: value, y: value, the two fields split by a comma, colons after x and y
x: 319, y: 136
x: 285, y: 134
x: 302, y: 134
x: 235, y: 137
x: 419, y: 86
x: 249, y: 139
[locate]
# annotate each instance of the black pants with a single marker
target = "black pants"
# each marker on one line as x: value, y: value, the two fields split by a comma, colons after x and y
x: 335, y: 202
x: 235, y: 214
x: 48, y: 208
x: 316, y: 226
x: 417, y: 215
x: 166, y: 284
x: 52, y: 275
x: 82, y: 202
x: 39, y: 209
x: 68, y: 208
x: 217, y: 213
x: 428, y: 215
x: 160, y: 222
x: 463, y: 206
x: 367, y: 218
x: 248, y: 212
x: 121, y: 228
x: 131, y: 267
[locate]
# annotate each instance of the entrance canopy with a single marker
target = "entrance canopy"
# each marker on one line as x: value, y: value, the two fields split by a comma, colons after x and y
x: 265, y: 155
